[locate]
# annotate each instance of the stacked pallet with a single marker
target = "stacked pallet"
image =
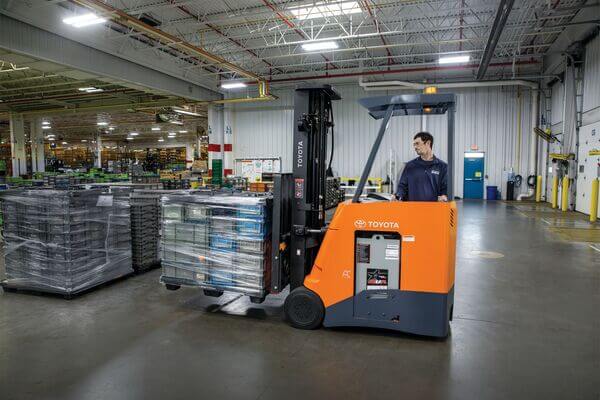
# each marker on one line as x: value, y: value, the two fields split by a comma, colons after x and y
x: 145, y: 228
x: 220, y: 242
x: 64, y: 241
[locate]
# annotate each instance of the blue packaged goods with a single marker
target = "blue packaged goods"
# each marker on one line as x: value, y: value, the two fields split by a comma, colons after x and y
x: 219, y: 242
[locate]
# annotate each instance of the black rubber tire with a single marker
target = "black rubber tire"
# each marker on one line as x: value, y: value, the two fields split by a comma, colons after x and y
x: 304, y: 309
x: 213, y: 293
x: 172, y: 287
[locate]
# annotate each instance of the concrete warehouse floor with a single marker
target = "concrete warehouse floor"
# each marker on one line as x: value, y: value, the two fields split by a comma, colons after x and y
x: 526, y: 326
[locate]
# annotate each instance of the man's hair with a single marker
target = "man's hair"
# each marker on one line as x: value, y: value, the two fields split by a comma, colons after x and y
x: 425, y: 137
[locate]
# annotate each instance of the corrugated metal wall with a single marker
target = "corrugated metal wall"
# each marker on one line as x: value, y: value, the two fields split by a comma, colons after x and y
x: 486, y: 117
x: 591, y: 91
x: 591, y: 110
x: 557, y: 106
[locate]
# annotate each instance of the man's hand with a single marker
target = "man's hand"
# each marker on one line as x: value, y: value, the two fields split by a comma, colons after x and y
x: 443, y: 198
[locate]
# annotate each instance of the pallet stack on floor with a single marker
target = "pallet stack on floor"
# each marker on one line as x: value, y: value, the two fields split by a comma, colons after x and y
x: 219, y: 242
x: 145, y: 228
x: 64, y: 241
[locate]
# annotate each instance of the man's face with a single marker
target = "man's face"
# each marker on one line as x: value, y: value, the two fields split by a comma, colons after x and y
x: 421, y: 147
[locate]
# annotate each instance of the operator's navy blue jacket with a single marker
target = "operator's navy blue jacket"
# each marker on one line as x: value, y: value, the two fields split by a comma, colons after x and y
x: 423, y: 180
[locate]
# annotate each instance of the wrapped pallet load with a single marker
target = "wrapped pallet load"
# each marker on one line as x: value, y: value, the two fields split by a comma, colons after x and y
x: 219, y: 242
x: 65, y: 241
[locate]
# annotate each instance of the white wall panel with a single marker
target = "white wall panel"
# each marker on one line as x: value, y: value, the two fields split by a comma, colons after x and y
x: 589, y: 139
x: 557, y: 103
x: 591, y: 79
x: 265, y: 129
x: 486, y: 117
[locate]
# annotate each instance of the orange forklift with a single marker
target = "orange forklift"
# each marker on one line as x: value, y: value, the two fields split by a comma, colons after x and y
x: 377, y: 263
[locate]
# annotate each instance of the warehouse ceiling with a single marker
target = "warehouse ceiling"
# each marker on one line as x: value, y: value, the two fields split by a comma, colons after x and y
x: 44, y: 91
x: 28, y: 84
x: 266, y: 37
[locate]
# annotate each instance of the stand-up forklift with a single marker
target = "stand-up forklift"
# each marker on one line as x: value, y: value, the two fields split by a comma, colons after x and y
x: 377, y: 263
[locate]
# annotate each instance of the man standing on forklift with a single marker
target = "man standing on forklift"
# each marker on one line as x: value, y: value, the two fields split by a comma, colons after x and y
x: 426, y: 177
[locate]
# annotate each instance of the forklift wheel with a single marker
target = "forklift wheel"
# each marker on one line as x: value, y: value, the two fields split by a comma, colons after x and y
x: 304, y: 309
x: 172, y: 287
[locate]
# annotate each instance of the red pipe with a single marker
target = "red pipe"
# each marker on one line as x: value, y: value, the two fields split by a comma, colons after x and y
x: 399, y: 71
x: 387, y: 50
x: 214, y: 28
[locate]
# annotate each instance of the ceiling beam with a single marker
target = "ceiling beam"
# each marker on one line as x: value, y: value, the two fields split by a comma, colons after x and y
x: 499, y: 21
x: 32, y: 41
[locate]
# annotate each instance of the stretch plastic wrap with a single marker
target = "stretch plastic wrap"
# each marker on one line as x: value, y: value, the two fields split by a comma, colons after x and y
x: 219, y: 242
x: 65, y: 241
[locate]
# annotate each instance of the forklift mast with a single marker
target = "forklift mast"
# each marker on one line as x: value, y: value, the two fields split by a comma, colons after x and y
x: 313, y: 119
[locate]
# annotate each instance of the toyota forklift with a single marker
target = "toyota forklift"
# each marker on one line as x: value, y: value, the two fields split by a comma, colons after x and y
x: 376, y: 263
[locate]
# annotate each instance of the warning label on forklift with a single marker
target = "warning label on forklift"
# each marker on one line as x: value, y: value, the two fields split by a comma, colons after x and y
x: 377, y: 278
x: 363, y: 253
x: 392, y: 252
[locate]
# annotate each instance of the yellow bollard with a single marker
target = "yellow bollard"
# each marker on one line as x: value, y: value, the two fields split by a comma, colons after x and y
x: 565, y: 194
x: 594, y: 201
x: 538, y: 189
x: 555, y: 192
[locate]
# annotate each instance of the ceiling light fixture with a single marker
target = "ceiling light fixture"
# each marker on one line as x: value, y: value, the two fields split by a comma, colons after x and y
x: 102, y: 123
x: 232, y: 85
x: 129, y: 138
x: 183, y: 131
x: 155, y: 128
x: 111, y: 128
x: 83, y: 20
x: 133, y: 134
x: 46, y: 127
x: 315, y: 46
x: 83, y: 140
x: 186, y: 112
x: 90, y: 89
x: 45, y: 122
x: 161, y: 140
x: 64, y: 143
x: 454, y: 60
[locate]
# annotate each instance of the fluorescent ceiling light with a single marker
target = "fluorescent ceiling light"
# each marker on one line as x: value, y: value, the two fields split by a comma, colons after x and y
x: 83, y: 140
x: 454, y: 59
x: 90, y: 89
x: 186, y: 112
x: 51, y: 139
x: 46, y: 127
x: 102, y: 123
x: 161, y: 140
x: 171, y: 137
x: 45, y: 122
x: 111, y: 128
x: 65, y: 143
x: 232, y: 85
x: 313, y: 46
x: 183, y: 131
x: 129, y: 138
x: 155, y: 128
x: 84, y: 20
x: 133, y: 134
x: 325, y: 10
